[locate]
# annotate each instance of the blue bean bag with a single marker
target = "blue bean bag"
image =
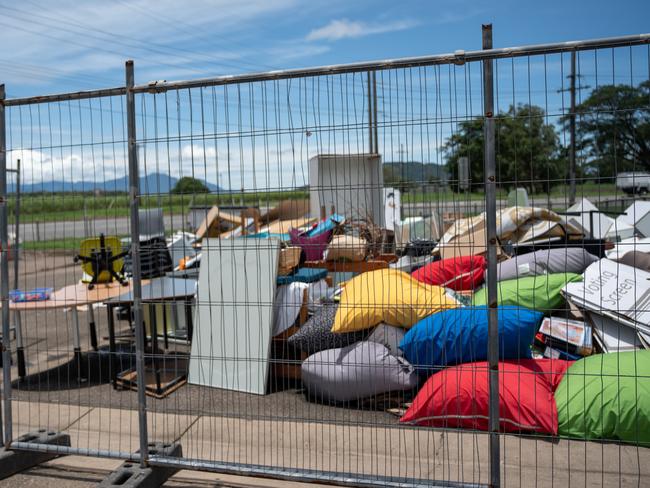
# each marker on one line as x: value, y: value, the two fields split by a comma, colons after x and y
x: 460, y: 335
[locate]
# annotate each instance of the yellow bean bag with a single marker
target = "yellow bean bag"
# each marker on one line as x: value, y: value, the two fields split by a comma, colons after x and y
x: 388, y: 296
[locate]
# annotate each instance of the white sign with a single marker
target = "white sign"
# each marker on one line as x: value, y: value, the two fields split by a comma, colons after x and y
x: 616, y: 288
x: 392, y: 207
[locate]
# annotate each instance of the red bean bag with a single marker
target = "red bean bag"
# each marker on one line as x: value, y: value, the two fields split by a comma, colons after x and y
x: 457, y: 273
x: 458, y: 396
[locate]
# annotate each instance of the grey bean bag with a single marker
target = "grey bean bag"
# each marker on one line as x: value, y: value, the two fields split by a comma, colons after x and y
x: 316, y: 334
x: 546, y: 261
x: 389, y: 336
x: 354, y: 372
x: 636, y: 259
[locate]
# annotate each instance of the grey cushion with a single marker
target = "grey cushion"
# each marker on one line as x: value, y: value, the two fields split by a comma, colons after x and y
x: 316, y: 335
x: 389, y: 336
x: 354, y: 372
x: 546, y: 261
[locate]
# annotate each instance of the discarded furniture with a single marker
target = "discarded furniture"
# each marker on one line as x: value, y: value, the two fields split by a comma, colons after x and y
x: 167, y: 306
x: 72, y: 297
x: 102, y: 260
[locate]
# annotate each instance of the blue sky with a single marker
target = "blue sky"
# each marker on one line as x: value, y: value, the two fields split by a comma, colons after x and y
x: 72, y: 45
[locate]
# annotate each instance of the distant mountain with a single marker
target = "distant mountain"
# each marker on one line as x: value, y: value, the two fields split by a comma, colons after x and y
x: 150, y: 184
x: 414, y: 171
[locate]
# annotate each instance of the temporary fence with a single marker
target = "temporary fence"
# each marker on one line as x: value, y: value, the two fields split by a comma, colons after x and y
x: 396, y: 273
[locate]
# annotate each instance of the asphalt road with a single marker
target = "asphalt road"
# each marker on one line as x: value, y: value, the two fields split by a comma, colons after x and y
x: 40, y: 231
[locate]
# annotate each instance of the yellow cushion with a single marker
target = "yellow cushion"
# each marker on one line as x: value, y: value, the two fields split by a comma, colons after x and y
x: 389, y: 296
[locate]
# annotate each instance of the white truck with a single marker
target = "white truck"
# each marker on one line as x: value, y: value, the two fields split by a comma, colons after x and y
x: 633, y: 182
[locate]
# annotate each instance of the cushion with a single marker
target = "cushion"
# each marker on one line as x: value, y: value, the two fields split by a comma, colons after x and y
x: 316, y: 335
x: 460, y: 335
x: 347, y: 248
x: 389, y: 336
x: 636, y: 259
x: 546, y: 261
x: 326, y: 225
x: 457, y: 273
x: 303, y: 275
x: 354, y: 372
x: 313, y: 247
x: 390, y: 296
x: 607, y: 396
x: 459, y: 396
x: 534, y: 292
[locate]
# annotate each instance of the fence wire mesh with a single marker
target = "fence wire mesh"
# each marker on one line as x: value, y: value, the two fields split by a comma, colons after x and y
x: 303, y: 256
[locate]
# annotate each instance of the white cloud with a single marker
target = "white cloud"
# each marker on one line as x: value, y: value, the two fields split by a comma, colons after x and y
x: 345, y: 28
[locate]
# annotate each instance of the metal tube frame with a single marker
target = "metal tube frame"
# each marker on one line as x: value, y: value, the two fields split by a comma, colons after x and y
x: 458, y: 57
x: 4, y: 274
x: 303, y: 475
x: 134, y: 196
x: 489, y: 170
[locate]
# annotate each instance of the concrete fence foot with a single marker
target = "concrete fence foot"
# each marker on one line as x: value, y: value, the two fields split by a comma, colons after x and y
x: 13, y: 461
x: 131, y: 475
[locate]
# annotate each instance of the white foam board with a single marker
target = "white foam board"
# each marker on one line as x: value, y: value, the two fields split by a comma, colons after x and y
x: 589, y: 214
x: 232, y: 326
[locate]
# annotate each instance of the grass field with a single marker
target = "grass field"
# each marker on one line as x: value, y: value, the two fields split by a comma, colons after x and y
x: 67, y: 244
x: 54, y: 207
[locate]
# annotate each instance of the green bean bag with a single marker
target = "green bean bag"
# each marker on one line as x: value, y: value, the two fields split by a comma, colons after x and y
x: 540, y: 293
x: 606, y: 396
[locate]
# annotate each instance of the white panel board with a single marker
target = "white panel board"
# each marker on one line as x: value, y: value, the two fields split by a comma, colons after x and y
x: 589, y: 215
x: 232, y: 325
x: 352, y: 183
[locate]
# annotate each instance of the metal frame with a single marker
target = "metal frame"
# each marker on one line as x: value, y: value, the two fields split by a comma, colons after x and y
x: 491, y: 224
x: 487, y: 55
x: 4, y: 275
x: 458, y: 57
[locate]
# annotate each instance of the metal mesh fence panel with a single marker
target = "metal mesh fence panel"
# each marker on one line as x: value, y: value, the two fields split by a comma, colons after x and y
x: 420, y: 271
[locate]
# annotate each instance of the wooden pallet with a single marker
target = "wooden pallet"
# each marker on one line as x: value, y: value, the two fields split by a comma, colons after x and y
x: 170, y: 381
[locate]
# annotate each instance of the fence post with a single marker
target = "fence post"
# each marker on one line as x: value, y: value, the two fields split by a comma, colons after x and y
x: 491, y: 221
x: 134, y: 196
x: 4, y: 276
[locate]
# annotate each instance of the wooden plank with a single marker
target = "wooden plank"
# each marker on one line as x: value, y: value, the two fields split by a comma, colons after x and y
x: 76, y: 295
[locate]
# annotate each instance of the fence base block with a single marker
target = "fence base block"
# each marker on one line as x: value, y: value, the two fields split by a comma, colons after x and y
x: 131, y: 475
x: 15, y: 461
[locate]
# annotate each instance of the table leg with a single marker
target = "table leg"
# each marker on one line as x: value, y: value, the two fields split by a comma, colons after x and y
x: 93, y: 327
x: 20, y: 346
x: 189, y: 325
x: 154, y: 348
x: 76, y: 338
x: 111, y: 345
x: 165, y: 318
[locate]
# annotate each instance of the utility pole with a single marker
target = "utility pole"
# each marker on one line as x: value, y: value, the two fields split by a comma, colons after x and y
x: 572, y: 127
x: 373, y: 145
x: 572, y: 133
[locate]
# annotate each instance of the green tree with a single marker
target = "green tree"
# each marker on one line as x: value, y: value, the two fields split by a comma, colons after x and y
x: 528, y: 150
x: 187, y: 184
x: 613, y: 129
